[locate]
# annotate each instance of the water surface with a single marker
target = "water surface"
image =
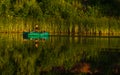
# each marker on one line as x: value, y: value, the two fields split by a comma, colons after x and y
x: 59, y: 55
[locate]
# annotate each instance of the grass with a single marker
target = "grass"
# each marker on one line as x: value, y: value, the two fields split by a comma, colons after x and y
x: 88, y: 25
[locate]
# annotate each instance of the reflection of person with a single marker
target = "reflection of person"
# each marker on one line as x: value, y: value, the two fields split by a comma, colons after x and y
x: 36, y: 28
x: 36, y: 43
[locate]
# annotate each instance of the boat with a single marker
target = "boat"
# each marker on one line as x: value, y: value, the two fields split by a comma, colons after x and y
x: 35, y: 35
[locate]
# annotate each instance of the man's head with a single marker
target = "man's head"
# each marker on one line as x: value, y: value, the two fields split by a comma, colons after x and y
x: 36, y: 25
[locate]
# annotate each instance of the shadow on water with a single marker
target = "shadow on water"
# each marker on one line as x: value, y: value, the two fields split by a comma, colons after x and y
x: 59, y: 55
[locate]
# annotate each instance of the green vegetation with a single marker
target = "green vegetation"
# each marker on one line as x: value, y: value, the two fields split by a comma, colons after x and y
x: 61, y: 16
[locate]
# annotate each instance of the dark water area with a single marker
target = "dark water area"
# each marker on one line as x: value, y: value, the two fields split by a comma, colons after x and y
x: 59, y: 55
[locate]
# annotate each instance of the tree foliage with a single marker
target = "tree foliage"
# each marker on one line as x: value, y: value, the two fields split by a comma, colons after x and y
x: 38, y: 8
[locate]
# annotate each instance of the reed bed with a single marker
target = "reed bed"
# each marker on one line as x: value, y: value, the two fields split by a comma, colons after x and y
x: 86, y: 26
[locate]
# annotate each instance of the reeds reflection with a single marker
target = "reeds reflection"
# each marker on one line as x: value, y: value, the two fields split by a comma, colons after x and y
x: 58, y: 55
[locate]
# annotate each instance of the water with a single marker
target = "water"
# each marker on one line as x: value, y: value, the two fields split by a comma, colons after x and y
x: 59, y: 55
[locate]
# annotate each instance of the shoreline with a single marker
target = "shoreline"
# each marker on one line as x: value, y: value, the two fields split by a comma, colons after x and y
x: 116, y: 35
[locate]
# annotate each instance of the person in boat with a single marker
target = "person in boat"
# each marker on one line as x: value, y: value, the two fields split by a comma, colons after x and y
x: 36, y: 28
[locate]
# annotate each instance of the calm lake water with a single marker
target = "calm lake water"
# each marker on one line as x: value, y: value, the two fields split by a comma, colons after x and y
x: 59, y: 55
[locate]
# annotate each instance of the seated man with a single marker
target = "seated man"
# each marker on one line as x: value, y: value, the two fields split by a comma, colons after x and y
x: 36, y: 28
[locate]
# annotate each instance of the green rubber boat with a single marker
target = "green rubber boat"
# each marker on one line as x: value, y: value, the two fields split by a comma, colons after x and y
x: 36, y: 35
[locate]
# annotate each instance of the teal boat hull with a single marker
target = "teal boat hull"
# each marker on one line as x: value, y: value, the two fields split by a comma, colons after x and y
x: 36, y: 35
